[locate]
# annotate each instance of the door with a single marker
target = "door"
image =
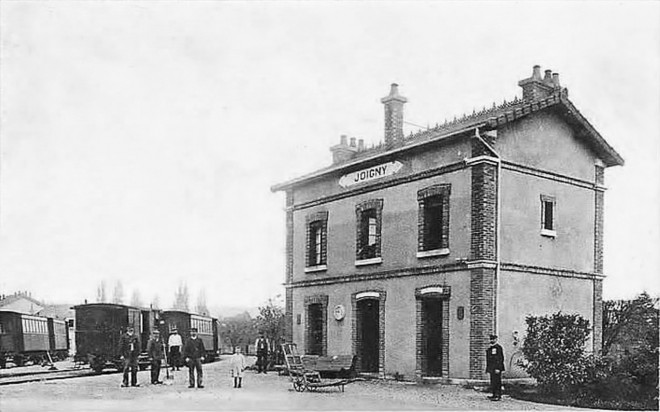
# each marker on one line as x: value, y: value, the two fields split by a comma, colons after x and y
x: 368, y: 329
x: 316, y: 323
x: 432, y: 337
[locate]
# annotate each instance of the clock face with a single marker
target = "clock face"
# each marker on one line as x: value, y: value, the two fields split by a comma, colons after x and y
x: 339, y: 312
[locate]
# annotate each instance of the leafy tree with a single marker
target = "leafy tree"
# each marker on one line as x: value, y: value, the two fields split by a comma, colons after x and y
x: 554, y: 347
x: 631, y: 324
x: 271, y: 320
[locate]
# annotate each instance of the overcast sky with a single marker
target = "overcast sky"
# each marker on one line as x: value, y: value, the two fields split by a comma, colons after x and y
x: 139, y: 140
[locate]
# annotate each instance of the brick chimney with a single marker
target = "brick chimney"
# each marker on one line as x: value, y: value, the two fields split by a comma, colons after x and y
x: 393, y: 117
x: 536, y: 87
x: 343, y: 152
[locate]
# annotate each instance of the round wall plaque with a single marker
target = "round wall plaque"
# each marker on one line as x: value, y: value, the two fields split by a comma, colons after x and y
x: 339, y: 312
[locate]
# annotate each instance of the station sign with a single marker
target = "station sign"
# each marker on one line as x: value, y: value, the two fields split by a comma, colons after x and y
x: 370, y: 174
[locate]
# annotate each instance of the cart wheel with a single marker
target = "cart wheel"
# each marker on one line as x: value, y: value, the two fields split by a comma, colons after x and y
x: 298, y: 385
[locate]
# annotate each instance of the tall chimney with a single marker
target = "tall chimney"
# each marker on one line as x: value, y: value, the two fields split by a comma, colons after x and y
x: 393, y: 117
x: 535, y: 87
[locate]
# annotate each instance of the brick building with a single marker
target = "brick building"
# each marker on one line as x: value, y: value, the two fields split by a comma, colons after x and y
x: 410, y: 253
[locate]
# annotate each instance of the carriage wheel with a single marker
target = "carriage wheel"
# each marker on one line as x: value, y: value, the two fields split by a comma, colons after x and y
x: 299, y: 385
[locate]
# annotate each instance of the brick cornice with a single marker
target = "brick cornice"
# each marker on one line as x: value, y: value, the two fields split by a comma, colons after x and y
x: 529, y: 170
x: 419, y: 271
x: 539, y: 270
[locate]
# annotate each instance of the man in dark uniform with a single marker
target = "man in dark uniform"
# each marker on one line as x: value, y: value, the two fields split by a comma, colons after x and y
x: 495, y: 367
x: 194, y: 352
x: 262, y: 347
x: 155, y: 352
x: 129, y: 348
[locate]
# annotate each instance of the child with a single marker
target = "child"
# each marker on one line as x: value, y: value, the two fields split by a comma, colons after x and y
x: 237, y: 365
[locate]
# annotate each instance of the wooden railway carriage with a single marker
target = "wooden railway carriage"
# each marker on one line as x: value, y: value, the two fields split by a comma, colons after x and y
x: 98, y: 329
x: 207, y: 329
x: 31, y: 338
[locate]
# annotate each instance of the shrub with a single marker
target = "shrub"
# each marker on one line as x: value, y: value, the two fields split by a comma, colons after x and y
x: 554, y: 347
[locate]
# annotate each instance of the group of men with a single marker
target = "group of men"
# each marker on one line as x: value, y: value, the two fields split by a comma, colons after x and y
x: 192, y: 352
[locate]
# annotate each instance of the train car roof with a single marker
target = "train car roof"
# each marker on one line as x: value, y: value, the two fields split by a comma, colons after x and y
x: 108, y: 305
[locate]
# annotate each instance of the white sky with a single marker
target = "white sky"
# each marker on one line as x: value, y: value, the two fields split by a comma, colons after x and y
x: 139, y: 140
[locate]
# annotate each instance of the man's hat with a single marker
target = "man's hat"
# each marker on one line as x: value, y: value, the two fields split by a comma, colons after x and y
x: 493, y: 337
x: 193, y: 329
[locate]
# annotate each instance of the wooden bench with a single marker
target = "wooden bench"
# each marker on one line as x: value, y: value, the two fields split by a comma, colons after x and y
x: 338, y: 366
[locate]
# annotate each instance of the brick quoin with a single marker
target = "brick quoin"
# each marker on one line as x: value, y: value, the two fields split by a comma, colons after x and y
x: 599, y: 221
x: 598, y: 316
x: 483, y: 247
x: 288, y: 304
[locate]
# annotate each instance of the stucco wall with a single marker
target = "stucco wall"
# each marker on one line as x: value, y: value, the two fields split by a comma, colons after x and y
x: 544, y: 141
x: 525, y: 294
x: 400, y: 319
x: 399, y: 229
x: 522, y: 242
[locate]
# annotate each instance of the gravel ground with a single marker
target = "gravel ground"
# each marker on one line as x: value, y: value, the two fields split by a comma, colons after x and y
x: 259, y: 392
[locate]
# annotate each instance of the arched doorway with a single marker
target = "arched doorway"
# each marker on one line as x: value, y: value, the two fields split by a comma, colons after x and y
x: 369, y: 331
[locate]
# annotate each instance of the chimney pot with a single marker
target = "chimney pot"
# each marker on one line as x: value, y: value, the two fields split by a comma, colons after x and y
x: 536, y: 72
x: 352, y: 142
x: 555, y: 80
x: 548, y: 76
x: 342, y: 140
x: 360, y: 144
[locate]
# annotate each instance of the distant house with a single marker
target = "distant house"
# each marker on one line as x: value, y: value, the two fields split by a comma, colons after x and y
x: 411, y: 253
x: 20, y: 302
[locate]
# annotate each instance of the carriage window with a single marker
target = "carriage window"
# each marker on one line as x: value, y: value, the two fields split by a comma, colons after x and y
x: 2, y: 328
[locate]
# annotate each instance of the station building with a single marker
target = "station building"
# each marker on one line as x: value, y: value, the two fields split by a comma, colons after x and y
x: 411, y: 253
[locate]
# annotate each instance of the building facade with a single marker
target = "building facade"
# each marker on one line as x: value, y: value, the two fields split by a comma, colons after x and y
x: 411, y: 253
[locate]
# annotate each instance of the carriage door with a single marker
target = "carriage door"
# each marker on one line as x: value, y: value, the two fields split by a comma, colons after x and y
x: 315, y: 342
x: 368, y: 334
x: 432, y: 336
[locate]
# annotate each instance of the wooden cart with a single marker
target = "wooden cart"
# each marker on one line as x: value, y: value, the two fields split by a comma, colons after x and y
x: 306, y: 379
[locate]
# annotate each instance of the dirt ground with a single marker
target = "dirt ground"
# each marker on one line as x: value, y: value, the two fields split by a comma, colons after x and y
x: 259, y: 392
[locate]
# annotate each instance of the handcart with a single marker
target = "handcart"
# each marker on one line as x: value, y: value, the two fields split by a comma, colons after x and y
x: 305, y: 379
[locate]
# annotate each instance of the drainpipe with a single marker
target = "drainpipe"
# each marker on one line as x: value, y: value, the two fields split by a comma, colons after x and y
x: 497, y: 221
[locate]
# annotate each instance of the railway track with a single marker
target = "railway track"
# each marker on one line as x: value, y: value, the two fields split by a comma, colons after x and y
x: 41, y: 376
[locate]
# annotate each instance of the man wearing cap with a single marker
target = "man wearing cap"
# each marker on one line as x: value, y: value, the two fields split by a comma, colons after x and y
x: 194, y: 352
x: 155, y: 351
x: 262, y: 347
x: 175, y: 343
x: 495, y: 367
x: 129, y: 348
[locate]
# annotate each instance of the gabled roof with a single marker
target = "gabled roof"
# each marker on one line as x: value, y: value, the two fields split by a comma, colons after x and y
x: 486, y: 119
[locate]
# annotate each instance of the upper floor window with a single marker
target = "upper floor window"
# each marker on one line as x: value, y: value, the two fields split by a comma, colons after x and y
x: 433, y: 220
x: 369, y: 223
x: 317, y: 240
x: 548, y: 214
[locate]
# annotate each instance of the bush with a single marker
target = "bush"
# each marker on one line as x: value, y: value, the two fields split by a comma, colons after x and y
x: 554, y: 347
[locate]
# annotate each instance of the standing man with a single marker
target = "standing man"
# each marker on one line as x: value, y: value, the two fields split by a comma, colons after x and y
x: 194, y: 352
x: 155, y: 351
x: 129, y: 348
x: 175, y: 343
x: 495, y: 367
x: 262, y: 347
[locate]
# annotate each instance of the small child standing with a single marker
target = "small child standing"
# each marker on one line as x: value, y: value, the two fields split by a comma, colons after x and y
x: 237, y: 365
